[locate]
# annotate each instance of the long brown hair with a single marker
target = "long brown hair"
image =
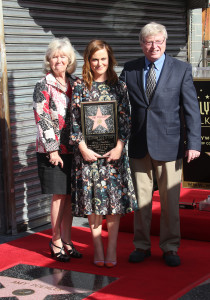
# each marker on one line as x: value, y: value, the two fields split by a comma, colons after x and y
x: 87, y: 73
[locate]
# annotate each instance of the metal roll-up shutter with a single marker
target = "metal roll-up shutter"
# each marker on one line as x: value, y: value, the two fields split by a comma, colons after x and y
x: 29, y: 26
x: 2, y: 208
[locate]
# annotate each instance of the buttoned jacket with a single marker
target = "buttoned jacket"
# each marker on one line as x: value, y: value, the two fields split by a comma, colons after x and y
x: 158, y: 127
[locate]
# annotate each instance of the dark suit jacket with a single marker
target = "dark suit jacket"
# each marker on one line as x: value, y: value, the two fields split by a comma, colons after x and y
x: 158, y: 127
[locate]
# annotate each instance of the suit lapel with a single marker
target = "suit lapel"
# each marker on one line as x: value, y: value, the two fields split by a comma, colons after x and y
x: 165, y: 74
x: 140, y: 79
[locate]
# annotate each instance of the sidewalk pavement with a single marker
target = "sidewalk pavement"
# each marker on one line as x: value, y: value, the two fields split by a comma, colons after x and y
x: 77, y: 222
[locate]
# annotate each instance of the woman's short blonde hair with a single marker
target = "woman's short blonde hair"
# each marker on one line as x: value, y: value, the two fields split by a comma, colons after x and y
x: 64, y: 46
x: 152, y: 29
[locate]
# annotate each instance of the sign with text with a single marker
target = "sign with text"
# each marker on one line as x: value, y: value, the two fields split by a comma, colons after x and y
x: 99, y: 125
x: 196, y: 174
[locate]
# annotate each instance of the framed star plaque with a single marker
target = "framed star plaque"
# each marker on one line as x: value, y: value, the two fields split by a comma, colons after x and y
x: 99, y: 125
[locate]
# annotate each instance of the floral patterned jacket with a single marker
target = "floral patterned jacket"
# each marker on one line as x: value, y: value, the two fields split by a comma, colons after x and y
x: 52, y: 115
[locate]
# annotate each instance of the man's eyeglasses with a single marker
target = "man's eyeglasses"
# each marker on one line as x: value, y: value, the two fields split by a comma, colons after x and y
x: 151, y: 43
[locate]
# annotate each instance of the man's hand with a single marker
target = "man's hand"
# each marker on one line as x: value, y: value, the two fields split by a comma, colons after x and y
x: 191, y: 155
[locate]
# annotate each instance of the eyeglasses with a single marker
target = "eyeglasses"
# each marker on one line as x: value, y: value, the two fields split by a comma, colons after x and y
x: 151, y: 43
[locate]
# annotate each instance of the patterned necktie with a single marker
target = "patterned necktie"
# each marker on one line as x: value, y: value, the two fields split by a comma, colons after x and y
x: 151, y: 81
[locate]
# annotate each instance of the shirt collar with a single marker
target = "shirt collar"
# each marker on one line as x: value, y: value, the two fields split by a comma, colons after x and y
x: 158, y: 63
x: 50, y: 79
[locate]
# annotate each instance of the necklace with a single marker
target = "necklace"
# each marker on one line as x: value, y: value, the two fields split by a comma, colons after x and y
x: 64, y: 85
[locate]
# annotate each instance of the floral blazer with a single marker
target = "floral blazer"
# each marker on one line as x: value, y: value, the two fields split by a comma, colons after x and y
x: 52, y: 115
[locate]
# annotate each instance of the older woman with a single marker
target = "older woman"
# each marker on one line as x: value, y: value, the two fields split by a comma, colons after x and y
x: 51, y: 102
x: 102, y: 184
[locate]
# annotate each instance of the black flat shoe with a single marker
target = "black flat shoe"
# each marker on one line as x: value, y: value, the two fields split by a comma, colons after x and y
x: 59, y: 256
x: 171, y: 259
x: 73, y: 252
x: 138, y: 255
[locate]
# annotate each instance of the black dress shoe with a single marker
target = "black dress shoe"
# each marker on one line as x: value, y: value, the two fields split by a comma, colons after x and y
x: 73, y: 252
x: 139, y: 255
x: 59, y: 256
x: 171, y: 258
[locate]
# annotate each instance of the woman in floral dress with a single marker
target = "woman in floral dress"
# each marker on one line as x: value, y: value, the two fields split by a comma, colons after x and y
x: 102, y: 185
x: 51, y: 103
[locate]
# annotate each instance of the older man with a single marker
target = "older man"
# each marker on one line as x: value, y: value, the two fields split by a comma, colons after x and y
x: 163, y: 99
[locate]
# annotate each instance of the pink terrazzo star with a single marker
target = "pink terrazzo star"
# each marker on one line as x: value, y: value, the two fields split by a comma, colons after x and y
x: 47, y: 285
x: 99, y: 119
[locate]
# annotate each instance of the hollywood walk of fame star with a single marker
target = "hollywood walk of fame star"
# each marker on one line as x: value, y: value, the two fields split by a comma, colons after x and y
x: 99, y: 119
x: 40, y: 288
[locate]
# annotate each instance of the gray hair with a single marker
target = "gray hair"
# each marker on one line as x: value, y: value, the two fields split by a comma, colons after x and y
x: 152, y: 29
x: 64, y: 46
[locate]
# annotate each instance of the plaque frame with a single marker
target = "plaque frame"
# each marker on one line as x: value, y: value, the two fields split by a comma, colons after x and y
x: 102, y: 138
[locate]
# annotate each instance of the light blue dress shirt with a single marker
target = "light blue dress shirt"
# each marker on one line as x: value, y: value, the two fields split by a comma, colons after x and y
x: 158, y: 68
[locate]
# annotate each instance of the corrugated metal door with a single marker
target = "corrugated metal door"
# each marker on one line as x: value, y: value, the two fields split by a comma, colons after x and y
x: 29, y: 26
x: 2, y: 208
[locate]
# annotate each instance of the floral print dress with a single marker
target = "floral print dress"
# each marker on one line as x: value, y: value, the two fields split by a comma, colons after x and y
x: 101, y: 187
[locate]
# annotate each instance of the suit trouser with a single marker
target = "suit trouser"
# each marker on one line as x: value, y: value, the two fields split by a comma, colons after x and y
x: 168, y: 175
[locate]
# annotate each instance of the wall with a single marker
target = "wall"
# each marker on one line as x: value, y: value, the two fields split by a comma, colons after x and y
x: 195, y: 36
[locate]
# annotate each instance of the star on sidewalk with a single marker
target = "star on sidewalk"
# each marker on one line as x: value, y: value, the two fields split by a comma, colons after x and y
x: 99, y: 119
x: 36, y: 289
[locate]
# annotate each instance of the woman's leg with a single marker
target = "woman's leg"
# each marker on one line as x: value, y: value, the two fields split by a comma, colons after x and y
x: 113, y: 222
x: 66, y: 222
x: 95, y: 223
x: 66, y: 226
x: 57, y: 210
